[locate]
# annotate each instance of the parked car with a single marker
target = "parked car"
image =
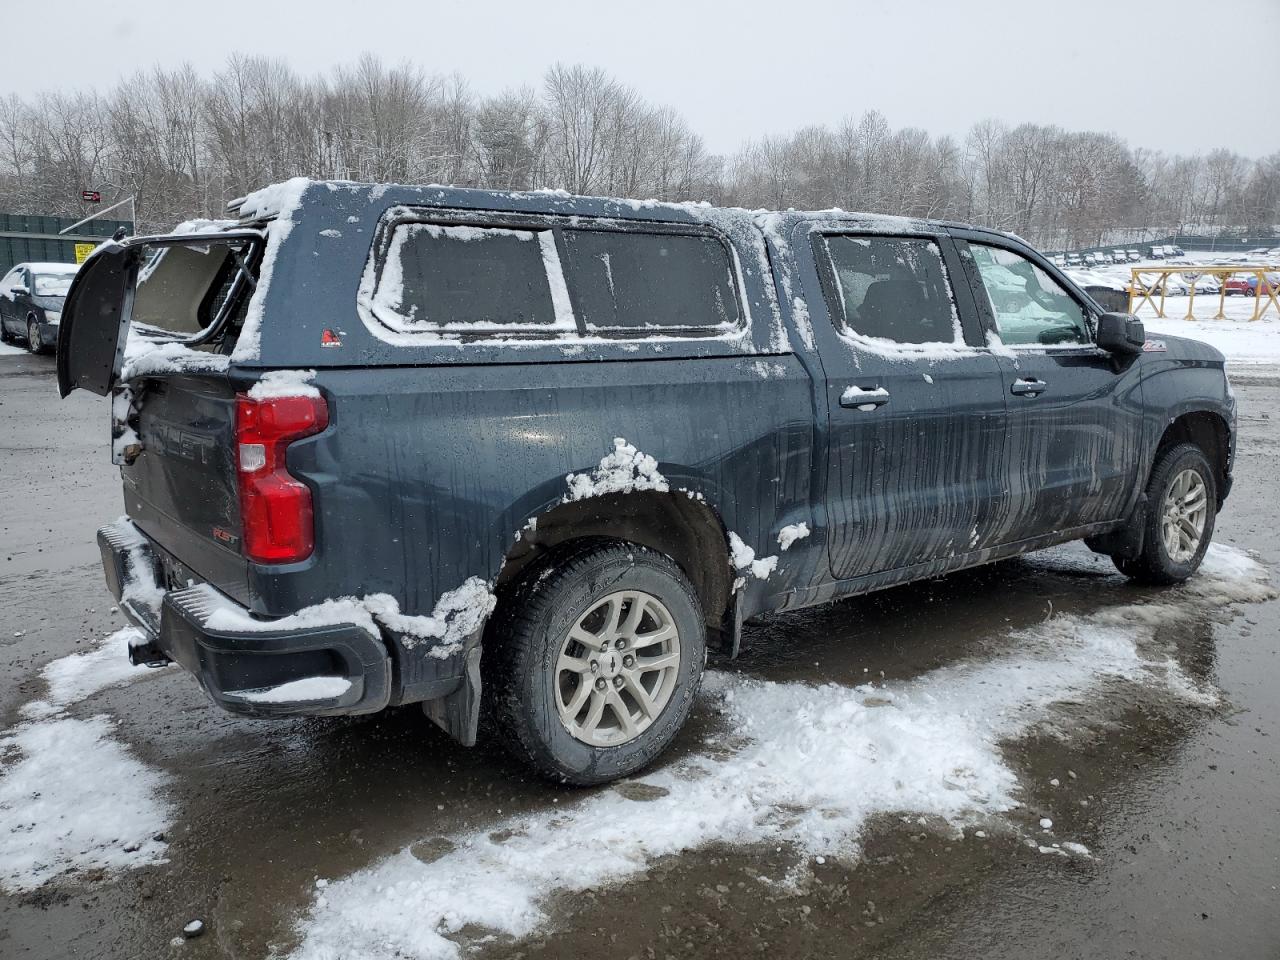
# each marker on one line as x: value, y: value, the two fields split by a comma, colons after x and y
x: 1157, y: 252
x: 1074, y: 260
x: 541, y: 451
x: 1246, y: 285
x: 1207, y: 284
x: 1133, y: 256
x: 31, y: 296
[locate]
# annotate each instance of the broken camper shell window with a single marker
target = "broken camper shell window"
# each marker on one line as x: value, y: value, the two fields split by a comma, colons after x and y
x: 194, y: 290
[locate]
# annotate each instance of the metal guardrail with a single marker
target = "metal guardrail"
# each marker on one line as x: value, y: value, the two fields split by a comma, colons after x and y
x: 1141, y: 291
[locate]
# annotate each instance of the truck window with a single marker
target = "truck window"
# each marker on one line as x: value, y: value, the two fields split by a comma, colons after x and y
x: 182, y: 289
x: 637, y: 282
x: 893, y: 289
x: 478, y: 279
x: 1030, y: 308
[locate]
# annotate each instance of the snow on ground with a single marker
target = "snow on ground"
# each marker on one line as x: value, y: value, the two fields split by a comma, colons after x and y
x: 72, y: 797
x: 9, y: 350
x: 80, y: 675
x: 801, y: 764
x: 75, y: 798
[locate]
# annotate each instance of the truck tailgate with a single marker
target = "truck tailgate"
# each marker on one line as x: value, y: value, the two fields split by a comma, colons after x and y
x: 181, y: 489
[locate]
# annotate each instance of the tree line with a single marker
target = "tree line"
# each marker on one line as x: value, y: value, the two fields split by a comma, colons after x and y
x: 185, y: 144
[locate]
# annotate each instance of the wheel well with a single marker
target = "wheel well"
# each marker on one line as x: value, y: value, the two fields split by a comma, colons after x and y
x: 680, y: 526
x: 1209, y: 432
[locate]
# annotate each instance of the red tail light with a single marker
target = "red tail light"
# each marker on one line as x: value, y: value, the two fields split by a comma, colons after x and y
x: 275, y: 507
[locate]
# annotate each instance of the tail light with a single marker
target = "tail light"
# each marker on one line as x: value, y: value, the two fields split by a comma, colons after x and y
x: 275, y: 507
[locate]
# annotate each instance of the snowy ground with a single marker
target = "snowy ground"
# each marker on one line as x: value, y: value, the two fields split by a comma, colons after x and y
x: 900, y: 749
x: 10, y: 350
x: 801, y: 764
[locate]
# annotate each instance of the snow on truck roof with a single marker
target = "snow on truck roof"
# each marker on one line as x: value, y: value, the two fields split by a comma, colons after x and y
x: 280, y: 200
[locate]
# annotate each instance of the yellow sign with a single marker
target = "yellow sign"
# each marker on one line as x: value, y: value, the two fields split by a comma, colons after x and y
x: 83, y: 250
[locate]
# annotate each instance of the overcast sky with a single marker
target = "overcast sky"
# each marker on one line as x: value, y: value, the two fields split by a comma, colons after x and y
x: 1175, y: 75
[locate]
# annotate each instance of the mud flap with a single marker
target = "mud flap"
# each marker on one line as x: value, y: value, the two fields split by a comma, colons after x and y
x: 1125, y: 543
x: 458, y: 714
x: 727, y: 638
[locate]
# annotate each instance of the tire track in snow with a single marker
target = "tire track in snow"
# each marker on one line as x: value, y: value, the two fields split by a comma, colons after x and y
x: 804, y: 765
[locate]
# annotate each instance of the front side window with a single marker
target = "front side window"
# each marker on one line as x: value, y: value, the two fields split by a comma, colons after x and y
x: 470, y: 278
x: 1030, y: 308
x: 650, y: 282
x: 894, y: 289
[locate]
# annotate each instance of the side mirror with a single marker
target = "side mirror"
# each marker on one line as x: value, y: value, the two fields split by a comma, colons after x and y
x: 20, y: 288
x: 1121, y: 334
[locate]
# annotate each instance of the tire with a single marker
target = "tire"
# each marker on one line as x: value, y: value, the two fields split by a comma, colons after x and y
x: 595, y: 591
x: 1159, y: 563
x: 33, y: 338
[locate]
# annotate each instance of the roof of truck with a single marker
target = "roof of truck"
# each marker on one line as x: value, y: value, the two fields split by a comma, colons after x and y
x: 280, y: 199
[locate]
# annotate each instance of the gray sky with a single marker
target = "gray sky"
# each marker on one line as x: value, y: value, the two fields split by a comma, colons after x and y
x: 1175, y: 75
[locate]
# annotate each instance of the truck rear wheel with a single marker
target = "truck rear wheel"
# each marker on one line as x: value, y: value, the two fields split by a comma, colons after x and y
x: 1182, y: 500
x: 598, y: 658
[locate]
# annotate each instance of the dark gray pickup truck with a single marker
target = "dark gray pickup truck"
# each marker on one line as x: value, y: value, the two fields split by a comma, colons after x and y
x: 370, y: 433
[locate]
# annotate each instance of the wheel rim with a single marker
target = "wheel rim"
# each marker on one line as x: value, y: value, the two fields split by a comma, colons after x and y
x: 1186, y: 508
x: 33, y: 338
x: 617, y: 668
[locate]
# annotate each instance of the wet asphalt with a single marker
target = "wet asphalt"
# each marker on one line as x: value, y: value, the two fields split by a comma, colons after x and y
x: 1181, y: 804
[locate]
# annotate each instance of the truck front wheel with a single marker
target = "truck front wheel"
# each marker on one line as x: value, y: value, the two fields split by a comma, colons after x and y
x: 595, y: 661
x: 1182, y: 503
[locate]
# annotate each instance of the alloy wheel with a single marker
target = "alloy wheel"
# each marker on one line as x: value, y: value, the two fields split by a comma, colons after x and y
x: 1185, y: 509
x: 617, y: 668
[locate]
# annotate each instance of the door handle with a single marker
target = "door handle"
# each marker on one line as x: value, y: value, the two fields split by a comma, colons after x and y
x: 1027, y: 387
x: 864, y: 398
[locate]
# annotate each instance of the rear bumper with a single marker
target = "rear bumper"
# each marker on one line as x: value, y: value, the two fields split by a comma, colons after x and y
x: 312, y: 670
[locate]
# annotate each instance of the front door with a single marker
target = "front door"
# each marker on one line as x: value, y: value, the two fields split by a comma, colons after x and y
x: 915, y: 403
x: 1075, y: 416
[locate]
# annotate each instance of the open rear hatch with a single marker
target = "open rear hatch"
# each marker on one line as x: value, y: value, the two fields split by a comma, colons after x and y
x: 152, y: 321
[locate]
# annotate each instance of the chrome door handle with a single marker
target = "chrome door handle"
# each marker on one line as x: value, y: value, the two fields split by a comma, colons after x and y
x: 1028, y: 387
x: 864, y: 398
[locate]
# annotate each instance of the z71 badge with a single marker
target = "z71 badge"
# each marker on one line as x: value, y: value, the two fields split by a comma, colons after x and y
x: 1154, y: 346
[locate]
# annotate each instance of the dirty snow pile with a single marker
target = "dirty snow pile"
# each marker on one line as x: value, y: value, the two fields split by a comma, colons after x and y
x: 804, y: 765
x: 457, y: 614
x: 744, y: 559
x: 790, y: 534
x: 72, y: 797
x: 623, y: 471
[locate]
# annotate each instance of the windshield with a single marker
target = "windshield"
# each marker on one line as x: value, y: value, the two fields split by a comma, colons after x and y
x: 52, y: 284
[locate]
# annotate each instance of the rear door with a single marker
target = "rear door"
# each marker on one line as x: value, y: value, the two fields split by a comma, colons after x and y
x: 915, y: 404
x: 1075, y: 416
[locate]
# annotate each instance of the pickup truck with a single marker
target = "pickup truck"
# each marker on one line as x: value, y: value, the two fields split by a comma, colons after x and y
x: 531, y: 454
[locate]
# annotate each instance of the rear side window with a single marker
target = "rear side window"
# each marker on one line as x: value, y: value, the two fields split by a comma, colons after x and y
x: 893, y: 289
x: 471, y: 278
x: 632, y: 282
